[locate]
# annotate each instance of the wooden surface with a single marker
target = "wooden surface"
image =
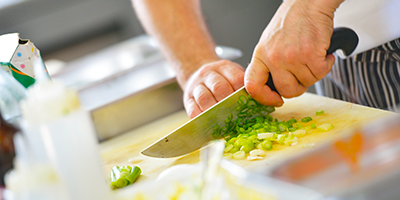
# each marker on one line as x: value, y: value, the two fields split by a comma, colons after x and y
x: 125, y: 149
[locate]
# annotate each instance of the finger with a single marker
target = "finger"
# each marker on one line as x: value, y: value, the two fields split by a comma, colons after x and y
x: 330, y: 59
x: 235, y: 76
x: 304, y: 75
x: 288, y: 84
x: 203, y: 97
x: 219, y: 86
x: 191, y: 107
x: 256, y: 76
x: 321, y: 66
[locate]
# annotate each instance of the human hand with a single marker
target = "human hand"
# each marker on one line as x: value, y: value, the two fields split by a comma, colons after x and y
x: 293, y: 49
x: 211, y: 83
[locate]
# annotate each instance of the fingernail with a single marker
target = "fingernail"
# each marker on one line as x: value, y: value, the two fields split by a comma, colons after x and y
x: 279, y: 104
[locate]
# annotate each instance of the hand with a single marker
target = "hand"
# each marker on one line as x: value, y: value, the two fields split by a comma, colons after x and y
x: 293, y: 48
x: 211, y: 83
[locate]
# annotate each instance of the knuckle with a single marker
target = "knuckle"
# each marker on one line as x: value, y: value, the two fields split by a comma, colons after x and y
x: 274, y: 56
x: 238, y: 81
x: 202, y: 98
x: 224, y: 62
x: 203, y: 71
x: 320, y: 70
x: 286, y: 89
x: 292, y: 92
x: 219, y: 87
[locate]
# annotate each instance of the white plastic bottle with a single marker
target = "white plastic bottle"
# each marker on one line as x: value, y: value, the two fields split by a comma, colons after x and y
x: 58, y: 130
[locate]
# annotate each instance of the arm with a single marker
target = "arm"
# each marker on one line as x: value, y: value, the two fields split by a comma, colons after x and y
x: 293, y: 48
x: 179, y: 27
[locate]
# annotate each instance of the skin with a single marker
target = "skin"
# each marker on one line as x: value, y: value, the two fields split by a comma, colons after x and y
x: 179, y: 27
x: 292, y: 48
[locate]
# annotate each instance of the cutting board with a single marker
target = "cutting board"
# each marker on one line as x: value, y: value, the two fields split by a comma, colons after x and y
x: 125, y: 149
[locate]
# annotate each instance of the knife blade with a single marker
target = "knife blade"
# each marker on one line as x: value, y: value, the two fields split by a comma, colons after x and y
x: 197, y: 132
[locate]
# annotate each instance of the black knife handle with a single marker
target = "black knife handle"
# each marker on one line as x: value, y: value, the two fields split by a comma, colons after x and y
x: 342, y: 38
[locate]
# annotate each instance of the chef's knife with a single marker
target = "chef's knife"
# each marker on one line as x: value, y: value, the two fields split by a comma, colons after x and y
x: 197, y: 132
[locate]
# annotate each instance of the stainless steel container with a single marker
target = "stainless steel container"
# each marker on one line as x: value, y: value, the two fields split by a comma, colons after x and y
x: 127, y: 85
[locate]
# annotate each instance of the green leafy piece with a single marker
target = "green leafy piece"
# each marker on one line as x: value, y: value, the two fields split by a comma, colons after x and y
x: 306, y: 119
x: 266, y: 144
x: 249, y: 125
x: 124, y: 176
x: 325, y: 127
x: 313, y: 126
x: 319, y: 112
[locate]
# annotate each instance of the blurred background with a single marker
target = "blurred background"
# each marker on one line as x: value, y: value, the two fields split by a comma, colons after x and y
x: 99, y: 48
x: 68, y: 29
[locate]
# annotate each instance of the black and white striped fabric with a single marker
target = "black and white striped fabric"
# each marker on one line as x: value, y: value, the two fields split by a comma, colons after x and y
x: 371, y: 78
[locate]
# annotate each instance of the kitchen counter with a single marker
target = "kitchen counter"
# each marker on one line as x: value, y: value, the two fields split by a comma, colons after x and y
x: 125, y: 149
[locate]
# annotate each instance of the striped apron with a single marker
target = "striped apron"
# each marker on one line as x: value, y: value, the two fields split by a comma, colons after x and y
x: 370, y: 78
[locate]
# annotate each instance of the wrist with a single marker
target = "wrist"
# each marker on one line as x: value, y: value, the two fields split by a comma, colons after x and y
x: 327, y: 7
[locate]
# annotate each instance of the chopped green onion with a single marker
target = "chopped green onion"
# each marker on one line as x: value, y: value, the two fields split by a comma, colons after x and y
x: 291, y: 142
x: 261, y: 136
x: 227, y: 155
x: 280, y: 139
x: 319, y: 112
x: 325, y: 127
x: 306, y: 119
x: 239, y: 155
x: 234, y: 149
x: 123, y: 176
x: 228, y: 148
x: 299, y: 133
x: 282, y: 127
x: 247, y: 147
x: 257, y: 152
x: 254, y: 130
x: 266, y: 144
x: 292, y: 121
x: 133, y: 174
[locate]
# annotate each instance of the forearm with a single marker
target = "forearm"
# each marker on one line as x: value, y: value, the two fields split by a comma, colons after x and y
x: 179, y: 27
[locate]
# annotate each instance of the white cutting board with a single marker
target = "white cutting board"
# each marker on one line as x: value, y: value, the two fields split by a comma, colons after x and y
x: 125, y: 149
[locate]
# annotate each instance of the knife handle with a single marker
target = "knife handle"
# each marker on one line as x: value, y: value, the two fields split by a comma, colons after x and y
x: 342, y: 38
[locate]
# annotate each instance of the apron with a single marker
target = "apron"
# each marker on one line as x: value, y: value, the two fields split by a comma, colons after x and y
x: 375, y: 21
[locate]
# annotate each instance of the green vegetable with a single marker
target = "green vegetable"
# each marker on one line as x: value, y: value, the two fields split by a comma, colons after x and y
x: 239, y: 155
x: 319, y: 112
x: 266, y: 144
x: 325, y: 127
x: 123, y: 176
x: 313, y: 126
x: 306, y: 119
x: 252, y: 127
x: 299, y: 126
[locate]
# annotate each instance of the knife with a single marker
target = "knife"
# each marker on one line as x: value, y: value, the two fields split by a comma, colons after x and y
x: 197, y: 132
